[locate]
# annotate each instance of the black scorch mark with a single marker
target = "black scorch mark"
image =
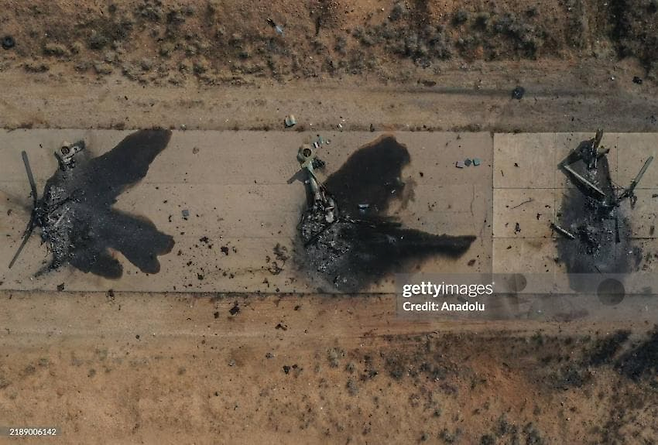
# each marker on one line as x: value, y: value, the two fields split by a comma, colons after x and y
x: 602, y: 232
x: 77, y: 219
x: 364, y: 244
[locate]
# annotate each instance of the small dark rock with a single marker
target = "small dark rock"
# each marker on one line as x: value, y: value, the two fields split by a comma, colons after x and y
x: 637, y: 80
x: 8, y: 42
x: 518, y: 93
x: 235, y: 309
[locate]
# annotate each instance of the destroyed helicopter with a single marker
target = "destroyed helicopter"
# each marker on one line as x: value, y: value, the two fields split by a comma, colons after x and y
x: 76, y: 216
x: 347, y: 236
x: 594, y: 230
x: 46, y: 213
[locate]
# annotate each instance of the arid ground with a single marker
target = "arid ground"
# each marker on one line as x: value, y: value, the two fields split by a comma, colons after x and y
x: 231, y: 342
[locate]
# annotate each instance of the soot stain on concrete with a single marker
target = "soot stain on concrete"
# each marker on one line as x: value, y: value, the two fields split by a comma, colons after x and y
x: 601, y: 228
x: 77, y: 219
x: 364, y: 244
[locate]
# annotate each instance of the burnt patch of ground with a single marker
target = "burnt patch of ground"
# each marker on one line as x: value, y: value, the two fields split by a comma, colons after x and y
x: 363, y: 244
x: 78, y: 222
x: 605, y: 349
x: 642, y: 359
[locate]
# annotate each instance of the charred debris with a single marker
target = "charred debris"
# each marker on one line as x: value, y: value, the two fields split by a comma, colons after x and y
x: 345, y: 234
x: 75, y: 214
x: 593, y: 228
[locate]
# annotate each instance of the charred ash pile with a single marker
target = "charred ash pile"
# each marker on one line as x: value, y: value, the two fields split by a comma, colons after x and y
x: 75, y: 214
x: 595, y: 233
x: 346, y: 235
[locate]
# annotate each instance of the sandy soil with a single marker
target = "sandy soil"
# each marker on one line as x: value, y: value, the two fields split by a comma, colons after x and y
x: 172, y: 368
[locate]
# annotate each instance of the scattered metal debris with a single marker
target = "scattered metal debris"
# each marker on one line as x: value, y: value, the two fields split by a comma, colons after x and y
x: 66, y: 154
x: 75, y: 213
x: 277, y: 28
x: 468, y: 162
x: 8, y: 42
x: 345, y: 234
x: 595, y: 231
x: 562, y: 231
x: 527, y: 201
x: 518, y: 93
x: 290, y: 121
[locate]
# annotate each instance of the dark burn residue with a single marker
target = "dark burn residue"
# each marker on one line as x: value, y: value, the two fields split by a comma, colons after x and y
x: 77, y: 219
x: 364, y: 244
x: 599, y: 226
x: 596, y: 248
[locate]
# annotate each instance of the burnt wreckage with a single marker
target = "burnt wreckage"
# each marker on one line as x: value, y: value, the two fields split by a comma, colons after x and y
x: 345, y: 233
x: 594, y: 231
x: 75, y: 213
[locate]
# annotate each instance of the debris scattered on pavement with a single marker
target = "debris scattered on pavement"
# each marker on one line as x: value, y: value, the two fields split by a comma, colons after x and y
x: 346, y: 236
x: 75, y: 213
x: 596, y: 233
x: 186, y: 214
x: 562, y: 231
x: 527, y: 201
x: 468, y: 162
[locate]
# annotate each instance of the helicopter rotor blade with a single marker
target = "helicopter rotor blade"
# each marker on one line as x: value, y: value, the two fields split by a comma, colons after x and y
x: 26, y: 237
x: 30, y: 178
